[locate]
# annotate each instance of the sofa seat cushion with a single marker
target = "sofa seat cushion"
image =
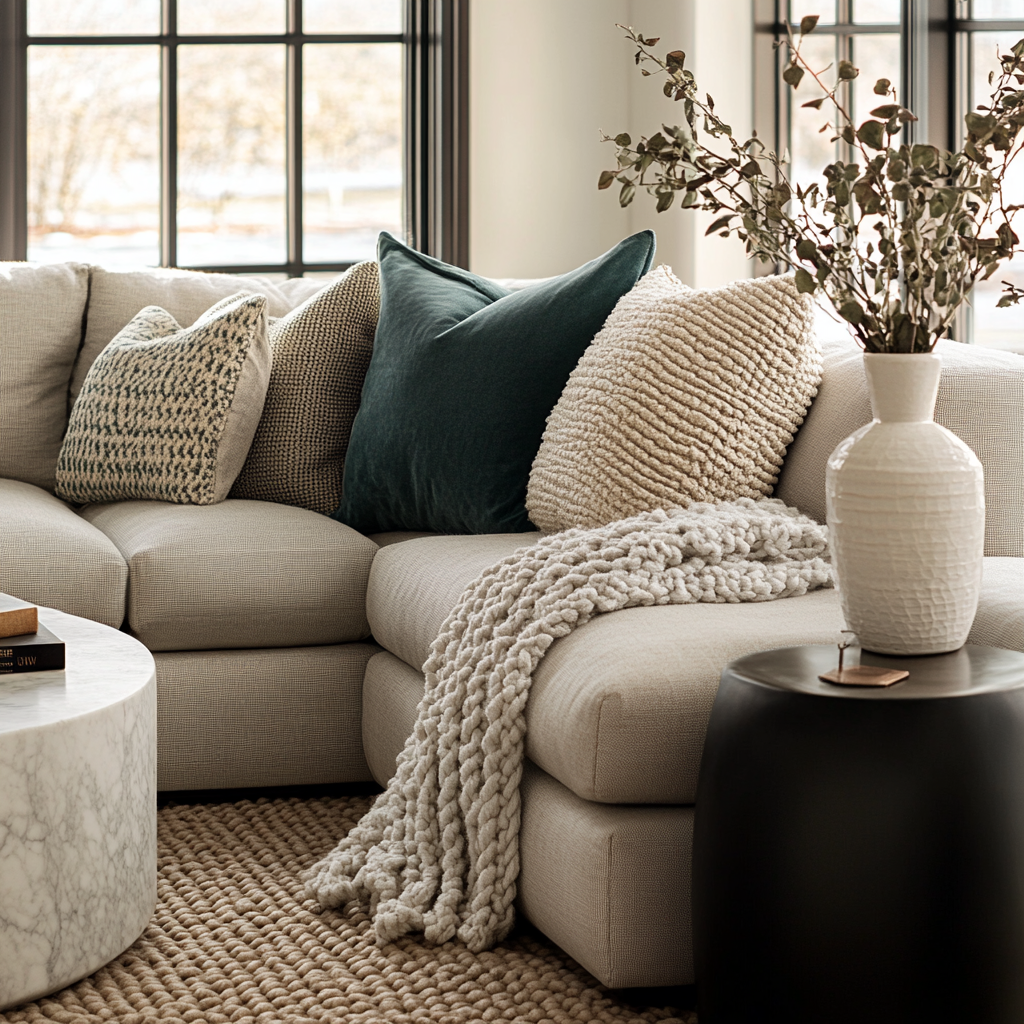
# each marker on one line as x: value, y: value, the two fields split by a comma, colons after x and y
x: 1000, y: 618
x: 50, y: 556
x: 238, y: 574
x: 414, y: 584
x: 618, y: 708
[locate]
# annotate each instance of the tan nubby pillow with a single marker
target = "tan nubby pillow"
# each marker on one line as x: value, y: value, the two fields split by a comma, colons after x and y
x: 321, y: 352
x: 683, y: 396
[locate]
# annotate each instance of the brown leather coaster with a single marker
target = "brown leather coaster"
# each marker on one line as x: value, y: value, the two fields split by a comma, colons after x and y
x: 864, y: 675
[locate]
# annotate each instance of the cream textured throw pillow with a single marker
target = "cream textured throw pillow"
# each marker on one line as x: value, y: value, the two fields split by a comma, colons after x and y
x: 321, y: 352
x: 168, y: 413
x: 683, y: 396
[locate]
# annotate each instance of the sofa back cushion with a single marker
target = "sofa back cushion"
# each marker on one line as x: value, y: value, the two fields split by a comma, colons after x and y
x: 41, y: 312
x: 981, y: 400
x: 115, y: 296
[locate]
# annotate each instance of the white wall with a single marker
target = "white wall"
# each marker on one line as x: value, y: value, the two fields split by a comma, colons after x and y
x: 547, y: 77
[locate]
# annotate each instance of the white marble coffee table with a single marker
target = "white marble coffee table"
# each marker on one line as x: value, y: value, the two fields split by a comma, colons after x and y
x: 77, y: 809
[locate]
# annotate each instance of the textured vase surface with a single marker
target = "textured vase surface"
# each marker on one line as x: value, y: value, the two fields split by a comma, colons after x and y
x: 906, y: 514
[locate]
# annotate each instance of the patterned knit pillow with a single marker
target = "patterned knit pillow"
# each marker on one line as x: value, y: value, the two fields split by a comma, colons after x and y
x: 320, y: 354
x: 168, y: 413
x: 683, y: 396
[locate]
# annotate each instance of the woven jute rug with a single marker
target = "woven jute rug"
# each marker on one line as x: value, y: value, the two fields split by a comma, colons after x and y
x: 235, y: 939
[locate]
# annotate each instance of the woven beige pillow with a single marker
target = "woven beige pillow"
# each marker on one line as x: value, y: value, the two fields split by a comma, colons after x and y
x: 683, y: 396
x: 321, y: 352
x: 168, y: 413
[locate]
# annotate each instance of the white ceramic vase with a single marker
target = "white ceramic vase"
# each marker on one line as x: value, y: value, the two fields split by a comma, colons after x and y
x: 906, y: 516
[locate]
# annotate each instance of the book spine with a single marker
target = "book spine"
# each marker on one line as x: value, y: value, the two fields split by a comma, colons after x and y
x: 37, y: 658
x: 18, y: 621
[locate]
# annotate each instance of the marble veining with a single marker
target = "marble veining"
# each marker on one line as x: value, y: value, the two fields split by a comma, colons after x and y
x: 77, y: 809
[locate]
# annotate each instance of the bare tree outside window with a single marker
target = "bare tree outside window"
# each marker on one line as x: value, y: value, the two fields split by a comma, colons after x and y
x: 94, y: 132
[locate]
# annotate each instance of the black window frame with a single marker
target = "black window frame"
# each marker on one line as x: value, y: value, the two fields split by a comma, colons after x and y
x: 435, y: 36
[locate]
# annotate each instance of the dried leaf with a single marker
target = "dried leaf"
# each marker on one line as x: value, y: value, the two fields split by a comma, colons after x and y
x: 719, y: 223
x: 847, y: 72
x: 816, y: 104
x: 808, y: 23
x: 806, y: 249
x: 804, y: 282
x: 882, y: 87
x: 792, y: 75
x: 872, y: 133
x: 851, y: 311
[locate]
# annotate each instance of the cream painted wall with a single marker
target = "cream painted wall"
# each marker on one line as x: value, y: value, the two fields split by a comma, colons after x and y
x: 547, y: 77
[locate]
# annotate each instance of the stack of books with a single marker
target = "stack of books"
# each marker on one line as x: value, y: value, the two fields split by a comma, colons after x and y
x: 25, y: 646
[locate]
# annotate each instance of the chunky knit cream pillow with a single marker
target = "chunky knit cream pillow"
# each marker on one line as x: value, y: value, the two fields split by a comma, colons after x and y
x: 683, y: 396
x: 168, y: 413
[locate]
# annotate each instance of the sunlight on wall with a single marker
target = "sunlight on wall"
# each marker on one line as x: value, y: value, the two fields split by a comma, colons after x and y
x: 547, y: 78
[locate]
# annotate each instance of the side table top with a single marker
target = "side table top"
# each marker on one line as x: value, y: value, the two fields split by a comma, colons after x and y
x: 103, y: 667
x: 971, y: 670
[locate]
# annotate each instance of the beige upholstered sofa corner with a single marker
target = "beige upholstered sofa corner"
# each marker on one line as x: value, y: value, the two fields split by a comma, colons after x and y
x: 289, y: 647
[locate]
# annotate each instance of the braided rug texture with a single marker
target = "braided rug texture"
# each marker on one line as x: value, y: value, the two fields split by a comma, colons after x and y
x: 684, y: 395
x: 439, y: 852
x: 234, y: 939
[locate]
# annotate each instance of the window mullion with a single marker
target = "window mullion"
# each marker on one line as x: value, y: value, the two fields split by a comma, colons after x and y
x: 914, y: 76
x: 13, y: 131
x: 169, y: 134
x: 844, y: 51
x: 293, y: 122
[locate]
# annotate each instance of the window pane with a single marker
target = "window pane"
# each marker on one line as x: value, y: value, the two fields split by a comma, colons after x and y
x: 825, y: 9
x: 873, y: 12
x: 93, y: 153
x: 241, y: 17
x: 352, y: 16
x: 997, y: 9
x: 93, y: 17
x: 877, y: 56
x: 810, y: 148
x: 997, y: 328
x: 231, y: 163
x: 352, y: 148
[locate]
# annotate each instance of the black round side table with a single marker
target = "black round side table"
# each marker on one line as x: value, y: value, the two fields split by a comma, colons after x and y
x: 859, y: 853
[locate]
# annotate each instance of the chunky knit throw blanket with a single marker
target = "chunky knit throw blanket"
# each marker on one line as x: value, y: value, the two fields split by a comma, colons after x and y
x: 438, y: 852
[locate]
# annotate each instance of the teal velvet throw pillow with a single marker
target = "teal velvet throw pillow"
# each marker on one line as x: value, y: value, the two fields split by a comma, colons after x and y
x: 463, y: 376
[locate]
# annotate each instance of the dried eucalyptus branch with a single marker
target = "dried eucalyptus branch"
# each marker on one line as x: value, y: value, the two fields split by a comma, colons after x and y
x: 895, y: 241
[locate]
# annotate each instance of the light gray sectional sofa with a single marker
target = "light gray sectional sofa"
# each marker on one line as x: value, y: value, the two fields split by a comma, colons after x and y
x: 289, y: 647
